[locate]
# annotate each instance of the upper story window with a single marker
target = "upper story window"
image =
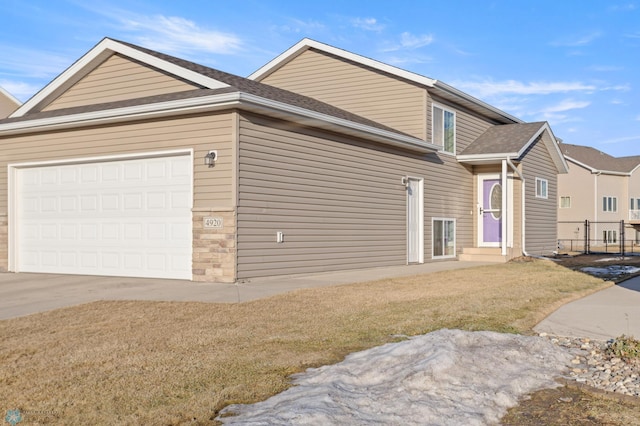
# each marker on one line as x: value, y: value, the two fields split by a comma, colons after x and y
x: 610, y: 204
x: 565, y: 202
x: 541, y: 188
x: 444, y: 129
x: 634, y: 204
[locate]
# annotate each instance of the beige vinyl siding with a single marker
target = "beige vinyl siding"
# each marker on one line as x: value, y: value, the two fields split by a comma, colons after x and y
x: 7, y: 106
x: 212, y: 186
x: 541, y: 214
x: 339, y: 202
x: 468, y: 126
x: 355, y: 88
x: 118, y: 79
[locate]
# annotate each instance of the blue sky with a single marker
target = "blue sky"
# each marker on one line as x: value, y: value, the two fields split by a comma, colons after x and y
x: 574, y: 64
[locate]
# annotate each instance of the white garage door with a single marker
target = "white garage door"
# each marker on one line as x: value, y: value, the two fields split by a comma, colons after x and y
x: 119, y: 218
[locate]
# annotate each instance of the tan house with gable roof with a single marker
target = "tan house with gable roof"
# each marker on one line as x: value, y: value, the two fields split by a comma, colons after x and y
x: 8, y: 103
x: 601, y: 189
x: 137, y: 163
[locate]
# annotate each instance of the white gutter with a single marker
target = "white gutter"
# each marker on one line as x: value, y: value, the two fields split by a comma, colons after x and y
x: 213, y: 103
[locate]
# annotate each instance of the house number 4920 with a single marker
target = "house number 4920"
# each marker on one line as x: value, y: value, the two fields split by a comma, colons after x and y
x: 213, y: 222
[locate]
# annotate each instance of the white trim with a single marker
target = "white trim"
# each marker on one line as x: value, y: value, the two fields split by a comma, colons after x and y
x: 594, y: 170
x: 444, y: 109
x: 92, y: 59
x: 420, y: 217
x: 217, y: 102
x: 506, y: 180
x: 12, y: 170
x: 307, y: 43
x: 455, y: 237
x: 559, y: 160
x: 544, y: 196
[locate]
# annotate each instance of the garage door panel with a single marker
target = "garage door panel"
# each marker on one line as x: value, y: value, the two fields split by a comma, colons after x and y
x: 123, y: 218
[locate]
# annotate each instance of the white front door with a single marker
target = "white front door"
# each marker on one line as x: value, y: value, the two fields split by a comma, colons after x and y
x: 117, y: 218
x: 415, y: 215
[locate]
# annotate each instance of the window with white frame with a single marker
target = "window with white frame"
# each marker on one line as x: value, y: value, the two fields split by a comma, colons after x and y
x: 444, y: 128
x: 541, y: 188
x: 565, y: 202
x: 444, y: 238
x: 610, y: 204
x: 634, y: 204
x: 609, y: 237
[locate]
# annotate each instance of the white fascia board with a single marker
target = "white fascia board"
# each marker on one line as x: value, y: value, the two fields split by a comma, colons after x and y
x: 380, y: 134
x: 307, y: 43
x: 486, y: 158
x: 559, y: 160
x: 212, y: 103
x: 444, y: 86
x: 597, y: 171
x: 120, y: 114
x: 96, y: 56
x: 581, y: 164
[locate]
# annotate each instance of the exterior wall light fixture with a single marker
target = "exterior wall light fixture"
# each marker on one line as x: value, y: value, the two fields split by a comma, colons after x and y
x: 210, y: 158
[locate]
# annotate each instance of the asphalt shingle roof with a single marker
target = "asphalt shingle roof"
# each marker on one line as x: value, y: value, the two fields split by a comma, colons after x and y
x: 236, y: 83
x: 503, y: 139
x: 599, y: 160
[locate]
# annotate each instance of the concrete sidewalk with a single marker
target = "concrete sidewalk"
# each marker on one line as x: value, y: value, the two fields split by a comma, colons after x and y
x: 604, y: 315
x: 24, y: 294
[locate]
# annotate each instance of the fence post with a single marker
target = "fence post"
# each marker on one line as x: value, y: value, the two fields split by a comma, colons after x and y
x: 622, y: 237
x: 586, y: 236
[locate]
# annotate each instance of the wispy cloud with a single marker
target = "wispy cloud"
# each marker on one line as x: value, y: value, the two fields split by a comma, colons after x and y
x: 623, y: 7
x: 176, y: 34
x: 400, y: 60
x: 575, y: 41
x: 566, y: 105
x: 31, y: 63
x: 298, y: 26
x: 496, y: 88
x: 409, y: 41
x: 369, y: 24
x: 605, y: 68
x: 19, y: 89
x: 624, y: 139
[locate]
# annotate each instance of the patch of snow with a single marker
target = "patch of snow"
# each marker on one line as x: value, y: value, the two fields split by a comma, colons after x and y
x: 610, y: 270
x: 448, y: 377
x: 612, y: 259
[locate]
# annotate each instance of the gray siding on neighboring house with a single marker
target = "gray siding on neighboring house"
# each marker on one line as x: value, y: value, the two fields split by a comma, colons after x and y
x: 541, y: 214
x: 339, y: 202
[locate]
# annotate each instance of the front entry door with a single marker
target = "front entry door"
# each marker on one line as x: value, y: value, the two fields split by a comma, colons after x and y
x: 490, y: 213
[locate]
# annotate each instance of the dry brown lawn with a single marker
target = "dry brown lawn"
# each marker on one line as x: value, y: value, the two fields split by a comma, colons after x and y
x: 173, y: 363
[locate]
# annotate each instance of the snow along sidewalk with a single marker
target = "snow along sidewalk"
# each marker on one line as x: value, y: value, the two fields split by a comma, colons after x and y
x: 448, y: 377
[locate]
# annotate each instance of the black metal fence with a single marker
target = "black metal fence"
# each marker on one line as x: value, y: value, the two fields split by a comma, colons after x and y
x: 597, y: 237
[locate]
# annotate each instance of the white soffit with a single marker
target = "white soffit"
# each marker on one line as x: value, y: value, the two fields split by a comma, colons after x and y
x: 94, y: 58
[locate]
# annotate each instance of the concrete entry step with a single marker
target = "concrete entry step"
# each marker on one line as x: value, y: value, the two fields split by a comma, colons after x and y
x: 483, y: 254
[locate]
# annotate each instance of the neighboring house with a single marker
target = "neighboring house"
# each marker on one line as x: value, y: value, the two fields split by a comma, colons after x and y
x: 8, y: 103
x: 136, y: 163
x: 601, y: 189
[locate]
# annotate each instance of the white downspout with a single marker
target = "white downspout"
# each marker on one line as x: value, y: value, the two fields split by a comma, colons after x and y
x: 503, y: 179
x: 520, y: 175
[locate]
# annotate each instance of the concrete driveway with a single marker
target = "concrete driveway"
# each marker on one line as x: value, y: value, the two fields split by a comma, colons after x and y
x: 604, y: 315
x: 25, y: 294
